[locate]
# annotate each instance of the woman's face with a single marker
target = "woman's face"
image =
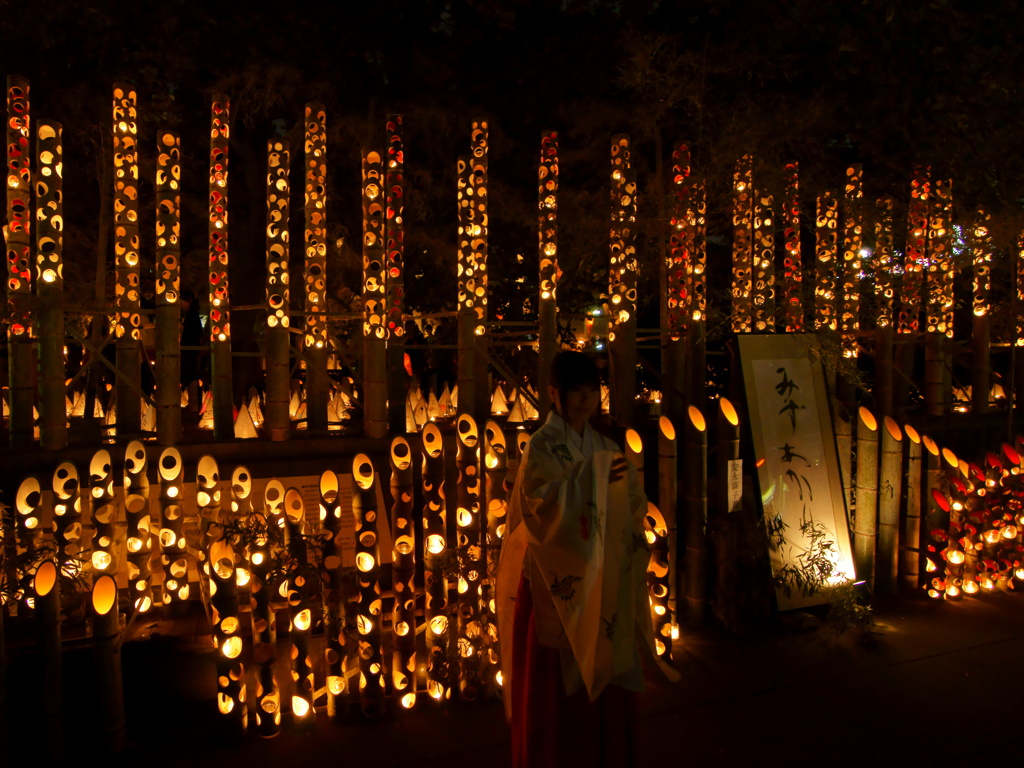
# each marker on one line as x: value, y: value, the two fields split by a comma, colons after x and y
x: 580, y: 404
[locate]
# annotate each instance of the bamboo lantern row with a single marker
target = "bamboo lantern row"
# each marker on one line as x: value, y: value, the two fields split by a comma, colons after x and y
x: 547, y: 235
x: 220, y: 300
x: 168, y: 291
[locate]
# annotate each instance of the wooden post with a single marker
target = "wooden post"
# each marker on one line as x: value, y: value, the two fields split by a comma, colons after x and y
x: 865, y: 531
x: 981, y: 342
x: 792, y: 286
x: 315, y: 349
x: 910, y: 561
x: 695, y: 474
x: 369, y: 617
x: 742, y: 244
x: 276, y: 418
x: 106, y: 634
x: 394, y: 230
x: 890, y: 497
x: 168, y: 293
x: 547, y: 232
x: 403, y: 622
x: 50, y: 286
x: 17, y: 234
x: 220, y: 299
x: 128, y: 327
x: 375, y: 390
x: 885, y: 294
x: 435, y: 545
x: 622, y: 282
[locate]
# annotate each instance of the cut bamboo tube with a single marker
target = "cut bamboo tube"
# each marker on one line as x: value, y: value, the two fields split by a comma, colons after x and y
x: 435, y: 546
x: 468, y: 285
x: 67, y: 517
x: 276, y: 414
x: 370, y: 616
x: 47, y: 614
x: 865, y: 530
x: 496, y: 494
x: 375, y: 392
x: 138, y: 518
x: 635, y: 453
x: 910, y: 561
x: 547, y: 230
x: 395, y: 273
x: 315, y: 349
x: 472, y: 564
x: 936, y: 518
x: 228, y: 639
x: 297, y: 590
x: 727, y: 500
x: 263, y: 562
x: 622, y: 282
x: 981, y: 342
x: 742, y: 244
x: 220, y: 299
x: 335, y: 645
x: 168, y: 293
x: 695, y: 469
x: 106, y: 631
x: 403, y: 569
x: 890, y: 496
x: 668, y: 503
x: 173, y: 551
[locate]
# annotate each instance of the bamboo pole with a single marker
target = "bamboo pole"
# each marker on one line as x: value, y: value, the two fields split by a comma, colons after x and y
x: 792, y: 289
x: 315, y: 350
x: 678, y: 277
x: 763, y: 265
x: 137, y: 517
x: 911, y: 288
x: 981, y: 342
x: 727, y: 500
x: 622, y: 282
x: 104, y: 515
x: 865, y: 531
x: 47, y: 614
x: 168, y: 288
x: 298, y: 589
x: 128, y: 327
x: 369, y: 617
x: 276, y: 419
x: 547, y: 234
x: 472, y: 565
x: 468, y: 285
x: 375, y: 390
x: 435, y: 584
x: 668, y: 503
x: 480, y: 244
x: 106, y: 631
x: 222, y: 564
x: 17, y: 235
x: 844, y: 447
x: 826, y: 257
x: 50, y: 285
x: 67, y: 516
x: 174, y: 555
x: 742, y: 244
x: 695, y: 469
x: 696, y: 373
x: 28, y: 516
x: 890, y: 496
x: 853, y: 238
x: 496, y: 489
x: 910, y: 562
x: 395, y: 274
x: 403, y: 569
x: 263, y: 562
x: 885, y: 294
x: 220, y: 298
x: 939, y: 302
x: 936, y: 519
x: 635, y: 453
x: 335, y: 645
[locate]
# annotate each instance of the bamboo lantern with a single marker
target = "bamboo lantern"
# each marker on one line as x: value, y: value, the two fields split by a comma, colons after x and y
x: 865, y: 531
x: 50, y: 285
x: 128, y: 327
x: 224, y: 574
x: 480, y: 244
x: 168, y: 293
x: 742, y: 243
x: 106, y: 634
x: 220, y: 299
x: 939, y: 305
x: 826, y: 256
x: 910, y: 565
x: 668, y: 498
x: 435, y: 546
x: 547, y: 235
x: 658, y: 581
x: 696, y: 280
x: 46, y: 595
x: 470, y: 555
x: 67, y: 519
x: 394, y: 234
x: 403, y: 575
x: 496, y: 494
x: 104, y: 515
x: 140, y: 527
x: 262, y: 563
x: 678, y: 276
x: 792, y: 264
x: 763, y: 274
x: 277, y: 374
x: 936, y: 519
x: 375, y: 335
x: 208, y: 500
x: 297, y: 589
x: 173, y: 551
x: 28, y: 521
x: 885, y: 294
x: 468, y: 284
x: 17, y: 233
x: 853, y: 241
x: 335, y: 646
x: 369, y: 615
x: 622, y: 281
x: 695, y: 469
x: 316, y: 344
x: 981, y: 334
x: 917, y: 245
x: 635, y: 453
x: 890, y: 495
x: 843, y: 428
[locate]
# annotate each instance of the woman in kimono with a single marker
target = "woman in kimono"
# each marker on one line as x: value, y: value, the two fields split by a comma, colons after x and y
x: 572, y: 588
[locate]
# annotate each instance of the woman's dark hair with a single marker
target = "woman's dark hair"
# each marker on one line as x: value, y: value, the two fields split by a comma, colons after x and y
x: 571, y: 370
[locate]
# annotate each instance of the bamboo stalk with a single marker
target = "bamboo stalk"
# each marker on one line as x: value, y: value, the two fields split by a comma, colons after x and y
x: 395, y: 274
x: 403, y: 569
x: 468, y: 285
x: 668, y: 502
x: 679, y: 273
x: 727, y: 500
x: 472, y: 565
x: 139, y: 536
x: 742, y: 244
x: 298, y: 590
x: 316, y: 339
x: 981, y: 342
x: 763, y: 265
x: 865, y: 531
x: 168, y: 284
x: 220, y: 299
x: 695, y: 469
x: 267, y: 694
x: 47, y: 614
x: 375, y: 390
x: 622, y: 282
x: 104, y: 515
x: 844, y: 447
x: 936, y: 519
x: 497, y: 486
x: 885, y: 295
x: 435, y: 584
x: 335, y: 645
x: 792, y: 290
x: 910, y: 563
x: 222, y: 564
x: 480, y: 243
x: 106, y: 631
x: 890, y: 493
x: 276, y: 416
x: 67, y: 528
x: 370, y: 616
x: 547, y: 231
x: 174, y: 554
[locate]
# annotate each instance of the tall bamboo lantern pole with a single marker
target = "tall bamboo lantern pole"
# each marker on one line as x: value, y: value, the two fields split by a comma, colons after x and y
x: 262, y: 560
x: 890, y: 496
x: 657, y: 534
x: 208, y: 502
x: 173, y: 552
x: 939, y: 307
x: 17, y: 233
x: 936, y: 519
x: 911, y: 289
x: 471, y: 561
x: 635, y: 453
x: 865, y: 529
x: 395, y: 273
x: 275, y: 415
x: 826, y: 254
x: 467, y: 288
x: 792, y: 284
x: 50, y: 285
x: 370, y: 616
x: 680, y: 254
x: 1017, y: 357
x: 763, y: 265
x: 480, y: 244
x: 727, y: 500
x: 696, y: 281
x: 316, y: 343
x: 435, y: 545
x: 47, y: 611
x: 375, y: 370
x: 106, y: 633
x: 335, y: 650
x: 668, y: 501
x: 168, y: 294
x: 853, y: 240
x: 695, y: 469
x: 67, y: 517
x: 28, y: 508
x: 981, y: 344
x: 403, y: 569
x: 231, y: 699
x: 547, y: 235
x: 496, y: 493
x: 622, y: 282
x: 140, y: 526
x: 297, y: 590
x: 910, y: 561
x: 885, y: 293
x: 104, y: 515
x: 128, y: 328
x: 742, y: 243
x: 220, y: 299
